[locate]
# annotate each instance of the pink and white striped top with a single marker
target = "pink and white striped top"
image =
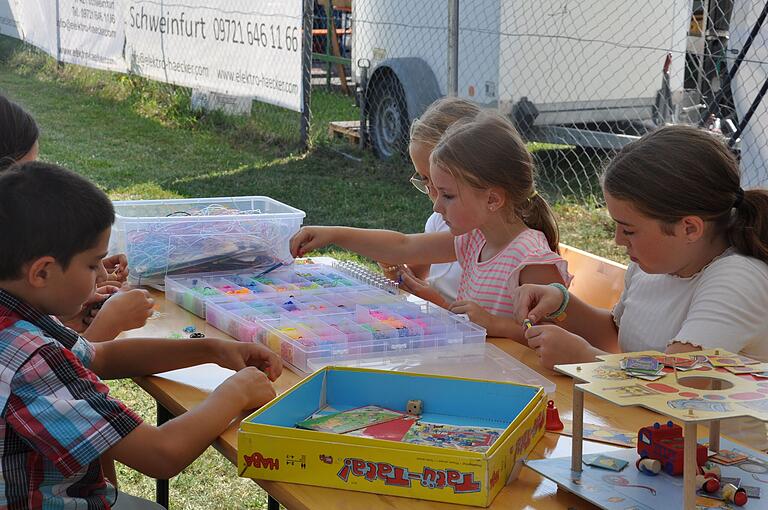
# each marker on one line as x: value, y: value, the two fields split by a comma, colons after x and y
x: 491, y: 283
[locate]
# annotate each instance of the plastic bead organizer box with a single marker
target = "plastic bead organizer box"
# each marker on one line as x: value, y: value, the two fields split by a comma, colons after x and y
x: 312, y: 312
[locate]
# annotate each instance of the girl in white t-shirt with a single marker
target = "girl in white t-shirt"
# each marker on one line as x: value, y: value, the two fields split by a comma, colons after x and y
x: 698, y: 278
x: 439, y: 282
x: 502, y: 232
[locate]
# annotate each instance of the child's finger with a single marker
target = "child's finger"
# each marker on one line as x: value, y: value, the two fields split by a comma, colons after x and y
x: 533, y: 332
x: 535, y: 339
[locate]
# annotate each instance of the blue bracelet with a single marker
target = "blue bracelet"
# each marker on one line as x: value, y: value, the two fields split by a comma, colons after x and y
x: 566, y: 299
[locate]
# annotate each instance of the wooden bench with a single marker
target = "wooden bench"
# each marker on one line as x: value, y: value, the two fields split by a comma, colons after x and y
x: 596, y: 280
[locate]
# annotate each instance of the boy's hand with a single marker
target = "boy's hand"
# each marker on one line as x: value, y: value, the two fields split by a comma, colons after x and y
x: 475, y: 312
x: 556, y: 346
x: 535, y: 302
x: 81, y: 320
x: 116, y: 267
x: 127, y: 310
x: 310, y: 238
x: 239, y: 355
x: 250, y: 385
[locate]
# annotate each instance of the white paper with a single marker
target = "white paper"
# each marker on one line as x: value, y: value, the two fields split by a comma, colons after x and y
x: 206, y: 377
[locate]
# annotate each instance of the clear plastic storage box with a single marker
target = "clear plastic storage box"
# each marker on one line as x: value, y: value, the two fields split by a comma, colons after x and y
x: 315, y: 312
x: 202, y: 234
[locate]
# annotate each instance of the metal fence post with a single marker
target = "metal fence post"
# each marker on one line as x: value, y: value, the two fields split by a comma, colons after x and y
x: 306, y: 73
x: 453, y: 47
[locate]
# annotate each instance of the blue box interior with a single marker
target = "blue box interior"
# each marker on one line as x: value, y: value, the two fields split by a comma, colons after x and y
x: 446, y: 401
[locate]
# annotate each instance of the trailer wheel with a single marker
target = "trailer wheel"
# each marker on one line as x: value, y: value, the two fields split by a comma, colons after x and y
x: 387, y: 117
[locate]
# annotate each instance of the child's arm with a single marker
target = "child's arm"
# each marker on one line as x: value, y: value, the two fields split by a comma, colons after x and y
x: 133, y: 357
x: 536, y: 302
x: 508, y: 327
x: 383, y: 245
x: 556, y: 346
x: 123, y: 311
x: 162, y: 452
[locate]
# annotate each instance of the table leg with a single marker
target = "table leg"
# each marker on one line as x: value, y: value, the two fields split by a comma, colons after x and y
x: 577, y: 435
x: 161, y: 486
x: 272, y: 503
x: 689, y: 466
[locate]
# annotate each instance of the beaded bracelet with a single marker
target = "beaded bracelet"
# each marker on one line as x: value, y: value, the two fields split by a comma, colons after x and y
x: 559, y: 314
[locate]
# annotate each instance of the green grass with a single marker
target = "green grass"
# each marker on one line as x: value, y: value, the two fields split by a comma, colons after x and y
x: 138, y: 140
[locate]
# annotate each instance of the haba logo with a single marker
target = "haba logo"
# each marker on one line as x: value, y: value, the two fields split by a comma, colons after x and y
x: 525, y: 439
x: 258, y: 461
x: 494, y: 478
x: 397, y: 476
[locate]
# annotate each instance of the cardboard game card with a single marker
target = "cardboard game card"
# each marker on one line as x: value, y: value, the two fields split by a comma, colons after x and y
x: 646, y: 377
x: 476, y: 439
x: 728, y: 457
x: 731, y: 361
x: 762, y: 375
x: 353, y: 419
x: 752, y: 492
x: 645, y: 364
x: 676, y: 361
x: 749, y: 369
x: 604, y: 462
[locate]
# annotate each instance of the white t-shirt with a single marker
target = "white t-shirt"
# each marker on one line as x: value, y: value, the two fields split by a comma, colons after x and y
x: 722, y: 306
x: 443, y: 277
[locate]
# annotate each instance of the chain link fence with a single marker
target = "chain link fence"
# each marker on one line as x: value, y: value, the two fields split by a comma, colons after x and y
x: 579, y: 79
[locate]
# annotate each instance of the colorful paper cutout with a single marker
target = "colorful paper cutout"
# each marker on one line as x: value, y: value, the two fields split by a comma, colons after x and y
x: 353, y: 419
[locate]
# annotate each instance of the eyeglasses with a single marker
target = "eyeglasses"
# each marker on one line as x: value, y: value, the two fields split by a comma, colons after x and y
x: 420, y: 183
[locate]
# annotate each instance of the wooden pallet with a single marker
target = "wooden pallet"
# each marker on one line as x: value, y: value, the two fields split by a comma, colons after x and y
x: 348, y: 129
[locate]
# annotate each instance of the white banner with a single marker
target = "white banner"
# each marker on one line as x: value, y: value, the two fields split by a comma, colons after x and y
x: 9, y: 18
x: 91, y: 33
x: 238, y: 47
x: 37, y: 19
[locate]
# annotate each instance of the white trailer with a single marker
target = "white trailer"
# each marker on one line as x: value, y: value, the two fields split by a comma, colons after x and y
x: 552, y: 65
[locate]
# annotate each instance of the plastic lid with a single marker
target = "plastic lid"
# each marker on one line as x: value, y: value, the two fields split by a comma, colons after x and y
x: 473, y: 361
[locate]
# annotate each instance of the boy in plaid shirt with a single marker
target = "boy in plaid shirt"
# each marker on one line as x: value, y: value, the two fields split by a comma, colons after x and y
x: 57, y: 417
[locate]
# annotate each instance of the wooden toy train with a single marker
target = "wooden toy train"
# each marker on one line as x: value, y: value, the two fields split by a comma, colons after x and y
x: 665, y: 444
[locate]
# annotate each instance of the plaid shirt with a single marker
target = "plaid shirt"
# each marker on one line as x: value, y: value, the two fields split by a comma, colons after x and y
x: 57, y: 416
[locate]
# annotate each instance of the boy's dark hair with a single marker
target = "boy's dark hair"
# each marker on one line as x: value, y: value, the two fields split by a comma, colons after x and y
x: 46, y: 210
x: 18, y: 132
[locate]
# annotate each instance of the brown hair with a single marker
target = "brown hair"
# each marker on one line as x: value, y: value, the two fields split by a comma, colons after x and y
x: 429, y: 128
x: 18, y: 132
x: 679, y: 171
x: 487, y: 151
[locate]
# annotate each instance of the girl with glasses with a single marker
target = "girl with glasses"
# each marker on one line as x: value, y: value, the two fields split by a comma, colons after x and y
x: 501, y: 232
x: 438, y: 283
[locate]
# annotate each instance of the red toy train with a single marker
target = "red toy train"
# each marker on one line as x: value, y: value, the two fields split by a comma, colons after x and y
x: 665, y: 444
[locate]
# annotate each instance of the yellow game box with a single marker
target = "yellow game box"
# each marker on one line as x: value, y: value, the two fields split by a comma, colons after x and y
x: 467, y: 440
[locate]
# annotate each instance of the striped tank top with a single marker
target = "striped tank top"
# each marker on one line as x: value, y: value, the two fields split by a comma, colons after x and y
x: 491, y: 283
